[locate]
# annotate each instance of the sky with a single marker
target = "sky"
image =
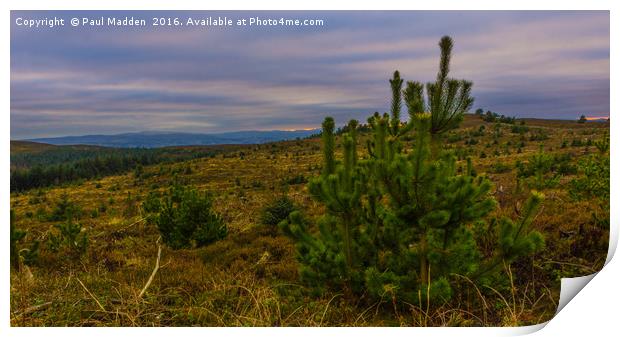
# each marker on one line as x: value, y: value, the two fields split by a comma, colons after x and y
x: 82, y: 80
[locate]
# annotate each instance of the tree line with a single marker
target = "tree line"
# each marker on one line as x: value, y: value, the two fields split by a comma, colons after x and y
x: 58, y: 167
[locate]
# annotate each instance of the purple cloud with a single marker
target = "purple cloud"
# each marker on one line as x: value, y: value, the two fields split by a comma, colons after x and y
x: 72, y: 81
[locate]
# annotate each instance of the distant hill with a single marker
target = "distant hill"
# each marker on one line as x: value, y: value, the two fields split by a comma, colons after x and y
x: 163, y: 139
x: 25, y: 146
x: 22, y: 146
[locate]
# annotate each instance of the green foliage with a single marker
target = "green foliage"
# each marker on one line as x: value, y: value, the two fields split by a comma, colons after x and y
x: 130, y: 205
x: 577, y: 142
x: 500, y: 167
x: 447, y: 100
x: 471, y: 141
x: 398, y: 222
x: 455, y: 137
x: 152, y: 203
x: 27, y: 256
x: 16, y: 236
x: 594, y: 182
x: 538, y: 136
x: 539, y: 170
x: 185, y: 218
x: 514, y: 239
x: 602, y: 145
x: 519, y: 129
x: 493, y: 117
x: 67, y: 164
x: 138, y: 172
x: 69, y: 236
x: 277, y: 211
x: 30, y: 255
x: 594, y: 178
x: 295, y: 180
x: 64, y: 210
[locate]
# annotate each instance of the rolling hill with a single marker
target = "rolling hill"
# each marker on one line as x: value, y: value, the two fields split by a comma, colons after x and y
x: 163, y: 139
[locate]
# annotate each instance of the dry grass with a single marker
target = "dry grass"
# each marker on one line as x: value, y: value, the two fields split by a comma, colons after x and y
x: 250, y: 278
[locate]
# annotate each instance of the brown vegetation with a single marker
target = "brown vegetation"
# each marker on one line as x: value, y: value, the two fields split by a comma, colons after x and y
x: 250, y: 277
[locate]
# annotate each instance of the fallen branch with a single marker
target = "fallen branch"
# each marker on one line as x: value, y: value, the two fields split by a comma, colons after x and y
x: 148, y: 283
x: 120, y: 230
x: 32, y: 309
x: 131, y: 225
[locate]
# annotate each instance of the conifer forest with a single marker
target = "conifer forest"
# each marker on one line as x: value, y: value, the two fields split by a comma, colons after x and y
x: 428, y: 214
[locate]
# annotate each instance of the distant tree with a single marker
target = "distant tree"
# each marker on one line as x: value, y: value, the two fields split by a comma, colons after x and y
x: 490, y: 116
x: 479, y: 112
x: 582, y: 119
x: 56, y: 167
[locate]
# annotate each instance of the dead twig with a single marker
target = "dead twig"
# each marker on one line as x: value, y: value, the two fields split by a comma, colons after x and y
x: 148, y: 283
x: 131, y: 225
x: 91, y: 294
x: 327, y: 307
x: 32, y: 309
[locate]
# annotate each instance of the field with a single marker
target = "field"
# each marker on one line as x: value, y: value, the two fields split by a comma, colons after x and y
x: 250, y: 277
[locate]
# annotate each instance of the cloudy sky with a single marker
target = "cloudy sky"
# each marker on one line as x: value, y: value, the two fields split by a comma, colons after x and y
x: 105, y: 80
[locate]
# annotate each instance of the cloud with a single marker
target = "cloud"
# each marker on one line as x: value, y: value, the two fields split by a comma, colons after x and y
x: 77, y: 81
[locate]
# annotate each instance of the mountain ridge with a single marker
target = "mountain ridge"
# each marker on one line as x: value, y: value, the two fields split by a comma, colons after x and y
x: 153, y: 139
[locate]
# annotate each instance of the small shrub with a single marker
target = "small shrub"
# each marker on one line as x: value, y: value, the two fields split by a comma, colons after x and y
x: 64, y: 210
x: 538, y: 136
x: 594, y: 184
x: 577, y: 143
x: 455, y: 137
x: 16, y: 236
x: 184, y: 218
x: 276, y: 211
x: 540, y: 170
x: 602, y: 145
x: 70, y: 236
x: 296, y: 180
x: 257, y: 184
x: 102, y: 208
x: 27, y: 256
x: 471, y: 141
x: 500, y: 167
x: 138, y: 171
x: 131, y: 206
x: 519, y: 129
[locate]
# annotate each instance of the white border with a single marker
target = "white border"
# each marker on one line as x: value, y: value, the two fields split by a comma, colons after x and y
x: 593, y: 311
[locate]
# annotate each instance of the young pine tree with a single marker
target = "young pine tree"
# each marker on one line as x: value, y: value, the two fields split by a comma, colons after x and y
x: 399, y: 222
x: 447, y: 99
x: 185, y: 217
x: 16, y: 236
